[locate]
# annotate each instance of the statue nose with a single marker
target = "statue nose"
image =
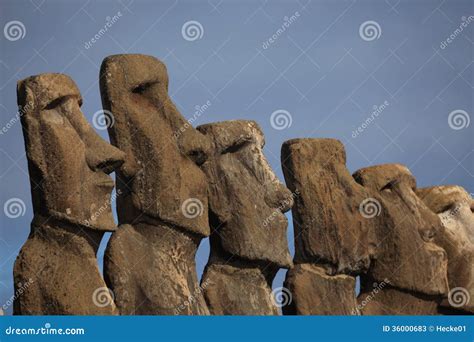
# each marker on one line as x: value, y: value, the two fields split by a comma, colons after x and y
x: 278, y: 196
x: 104, y: 157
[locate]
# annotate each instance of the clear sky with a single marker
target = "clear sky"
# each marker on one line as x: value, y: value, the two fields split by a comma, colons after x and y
x: 324, y: 71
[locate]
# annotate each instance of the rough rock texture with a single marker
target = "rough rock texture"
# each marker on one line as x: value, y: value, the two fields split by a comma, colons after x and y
x: 407, y: 254
x: 161, y: 186
x: 329, y: 228
x: 231, y: 290
x: 454, y: 207
x: 333, y: 240
x: 393, y: 301
x: 246, y: 202
x: 56, y: 271
x: 151, y: 269
x: 314, y: 292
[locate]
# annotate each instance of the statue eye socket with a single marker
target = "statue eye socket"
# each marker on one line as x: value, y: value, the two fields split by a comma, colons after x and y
x: 389, y: 186
x: 61, y: 100
x: 237, y: 146
x: 448, y: 207
x: 141, y: 88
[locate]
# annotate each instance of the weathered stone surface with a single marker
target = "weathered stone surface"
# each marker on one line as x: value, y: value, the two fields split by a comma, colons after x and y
x: 407, y: 255
x: 454, y: 206
x: 231, y: 290
x: 152, y: 270
x: 329, y: 228
x: 56, y: 271
x: 162, y: 186
x: 393, y: 301
x: 246, y: 202
x: 314, y: 292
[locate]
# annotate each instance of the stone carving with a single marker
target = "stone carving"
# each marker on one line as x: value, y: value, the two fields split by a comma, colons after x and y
x: 315, y: 292
x: 56, y: 271
x: 333, y: 241
x: 149, y: 262
x: 454, y: 207
x: 246, y: 202
x: 412, y: 248
x: 407, y: 256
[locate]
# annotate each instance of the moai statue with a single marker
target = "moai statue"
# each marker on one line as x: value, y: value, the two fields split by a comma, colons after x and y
x: 334, y: 237
x: 411, y: 266
x: 149, y: 262
x: 454, y: 206
x: 246, y: 203
x: 56, y: 271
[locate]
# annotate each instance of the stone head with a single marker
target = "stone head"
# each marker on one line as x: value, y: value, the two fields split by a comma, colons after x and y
x: 68, y: 162
x: 246, y: 199
x: 328, y: 225
x: 407, y: 253
x: 454, y: 206
x: 160, y: 178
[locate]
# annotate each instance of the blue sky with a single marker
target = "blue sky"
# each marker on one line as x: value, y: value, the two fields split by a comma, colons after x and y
x: 323, y: 71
